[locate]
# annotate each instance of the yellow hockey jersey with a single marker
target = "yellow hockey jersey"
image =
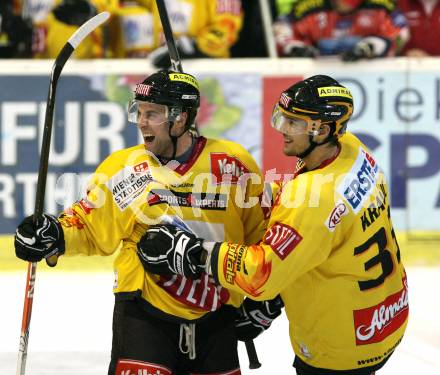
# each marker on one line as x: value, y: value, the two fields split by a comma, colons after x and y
x: 132, y: 190
x: 331, y: 252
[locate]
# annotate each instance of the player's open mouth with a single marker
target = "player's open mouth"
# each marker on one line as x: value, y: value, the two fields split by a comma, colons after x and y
x: 149, y: 138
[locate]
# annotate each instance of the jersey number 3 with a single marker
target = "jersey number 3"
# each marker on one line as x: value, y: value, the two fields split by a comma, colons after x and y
x: 383, y: 258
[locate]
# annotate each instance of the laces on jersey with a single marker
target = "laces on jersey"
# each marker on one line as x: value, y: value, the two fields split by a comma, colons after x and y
x: 187, y: 339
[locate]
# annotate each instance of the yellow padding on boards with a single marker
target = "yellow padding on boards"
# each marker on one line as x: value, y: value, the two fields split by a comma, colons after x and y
x: 10, y: 263
x: 417, y: 248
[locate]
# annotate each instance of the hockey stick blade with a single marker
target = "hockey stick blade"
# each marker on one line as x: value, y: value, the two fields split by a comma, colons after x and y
x: 74, y: 41
x: 87, y: 28
x: 58, y: 65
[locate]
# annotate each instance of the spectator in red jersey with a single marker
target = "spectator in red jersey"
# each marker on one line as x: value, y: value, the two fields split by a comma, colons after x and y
x: 423, y: 17
x: 352, y: 29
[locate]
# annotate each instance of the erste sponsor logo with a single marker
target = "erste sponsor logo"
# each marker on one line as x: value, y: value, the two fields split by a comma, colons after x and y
x: 360, y: 181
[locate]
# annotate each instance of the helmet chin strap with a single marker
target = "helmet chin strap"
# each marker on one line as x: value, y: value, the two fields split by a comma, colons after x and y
x: 313, y: 145
x: 174, y: 139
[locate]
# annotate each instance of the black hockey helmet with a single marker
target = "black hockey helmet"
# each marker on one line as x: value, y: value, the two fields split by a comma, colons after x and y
x: 313, y: 101
x: 179, y: 92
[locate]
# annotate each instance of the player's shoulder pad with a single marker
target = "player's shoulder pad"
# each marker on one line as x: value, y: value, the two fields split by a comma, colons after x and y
x: 303, y: 8
x: 117, y: 160
x: 387, y: 5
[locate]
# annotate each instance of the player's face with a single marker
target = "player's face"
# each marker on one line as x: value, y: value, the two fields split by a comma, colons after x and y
x: 152, y: 121
x: 294, y: 145
x: 294, y: 130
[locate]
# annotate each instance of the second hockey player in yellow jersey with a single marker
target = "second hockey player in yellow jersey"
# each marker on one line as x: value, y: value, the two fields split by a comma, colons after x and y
x: 330, y: 250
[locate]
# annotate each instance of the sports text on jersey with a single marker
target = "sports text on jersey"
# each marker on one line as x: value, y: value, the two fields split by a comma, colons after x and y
x: 182, y: 77
x: 204, y: 201
x: 334, y: 91
x: 360, y: 181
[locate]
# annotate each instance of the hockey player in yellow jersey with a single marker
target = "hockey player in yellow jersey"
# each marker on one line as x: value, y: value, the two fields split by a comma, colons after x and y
x: 162, y: 324
x: 330, y: 250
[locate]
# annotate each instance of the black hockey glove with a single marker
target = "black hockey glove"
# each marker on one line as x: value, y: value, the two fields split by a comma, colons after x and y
x: 46, y: 238
x: 254, y: 317
x: 167, y: 250
x: 302, y: 51
x: 187, y: 48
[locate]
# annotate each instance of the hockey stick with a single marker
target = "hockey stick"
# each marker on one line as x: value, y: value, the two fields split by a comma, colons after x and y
x: 252, y: 355
x: 58, y: 65
x: 176, y: 65
x: 266, y: 17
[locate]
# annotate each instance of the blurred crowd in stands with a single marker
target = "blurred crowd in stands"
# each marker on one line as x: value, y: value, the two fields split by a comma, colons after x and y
x: 351, y: 29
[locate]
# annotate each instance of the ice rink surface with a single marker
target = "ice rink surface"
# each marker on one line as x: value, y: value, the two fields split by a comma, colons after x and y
x: 71, y: 327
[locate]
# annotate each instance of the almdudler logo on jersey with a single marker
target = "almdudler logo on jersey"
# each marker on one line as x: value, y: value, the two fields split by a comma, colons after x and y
x: 375, y: 323
x: 360, y: 181
x: 282, y: 239
x: 128, y: 184
x: 226, y: 168
x: 336, y: 215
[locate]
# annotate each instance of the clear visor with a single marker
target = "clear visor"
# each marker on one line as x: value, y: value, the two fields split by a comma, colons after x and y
x: 291, y: 124
x: 145, y: 113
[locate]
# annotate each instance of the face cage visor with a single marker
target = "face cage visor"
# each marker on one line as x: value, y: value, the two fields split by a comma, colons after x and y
x: 293, y: 124
x: 146, y: 113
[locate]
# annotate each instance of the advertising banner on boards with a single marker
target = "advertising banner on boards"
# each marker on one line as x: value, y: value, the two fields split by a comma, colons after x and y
x: 396, y: 115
